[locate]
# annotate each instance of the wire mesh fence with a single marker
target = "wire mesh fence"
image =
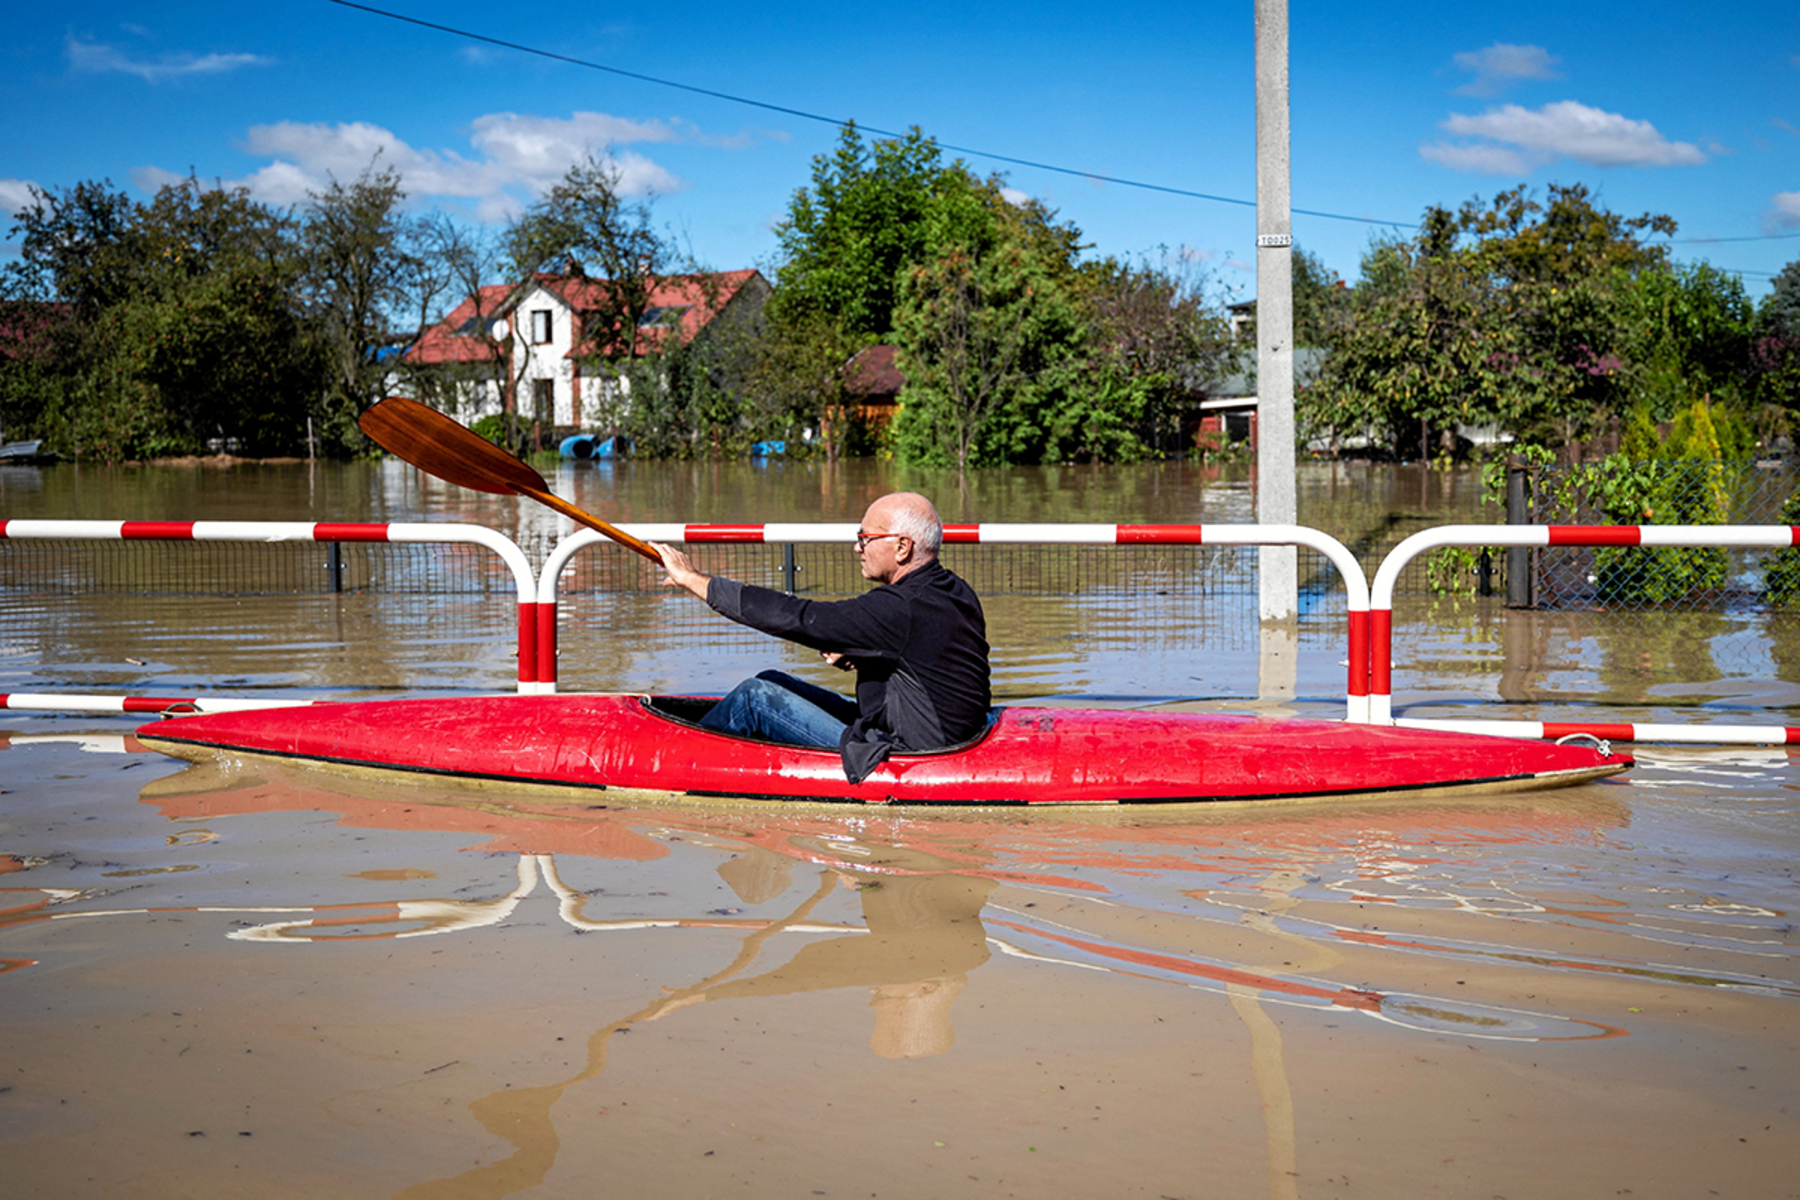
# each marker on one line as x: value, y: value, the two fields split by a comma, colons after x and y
x: 66, y: 567
x: 1130, y: 623
x: 59, y: 567
x: 1634, y: 578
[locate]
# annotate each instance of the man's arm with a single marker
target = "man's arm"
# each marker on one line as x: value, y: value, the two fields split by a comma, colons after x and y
x: 873, y: 623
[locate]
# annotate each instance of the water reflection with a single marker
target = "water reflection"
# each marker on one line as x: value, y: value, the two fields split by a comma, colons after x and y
x: 924, y: 882
x: 1423, y: 921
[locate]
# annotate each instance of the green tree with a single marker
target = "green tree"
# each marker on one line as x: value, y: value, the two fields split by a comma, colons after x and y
x: 1321, y: 302
x: 1775, y: 344
x: 1158, y: 327
x: 846, y: 242
x: 1013, y: 349
x: 1428, y: 347
x: 990, y: 336
x: 1674, y: 479
x: 169, y: 325
x: 78, y: 246
x: 360, y: 269
x: 1686, y: 335
x: 795, y: 374
x: 1505, y: 313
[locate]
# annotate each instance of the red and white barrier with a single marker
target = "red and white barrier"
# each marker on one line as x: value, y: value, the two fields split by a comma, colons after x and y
x: 310, y: 531
x: 70, y: 702
x: 1698, y: 735
x: 1387, y: 576
x: 1356, y: 586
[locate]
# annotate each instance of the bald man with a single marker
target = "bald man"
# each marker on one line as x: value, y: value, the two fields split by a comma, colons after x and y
x: 917, y: 642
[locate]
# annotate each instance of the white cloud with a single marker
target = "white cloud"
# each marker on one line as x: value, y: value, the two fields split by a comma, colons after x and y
x: 512, y: 159
x: 1015, y: 197
x: 539, y: 149
x: 97, y: 58
x: 1518, y: 140
x: 154, y: 179
x: 1497, y: 66
x: 1784, y: 211
x: 16, y: 196
x: 1487, y: 159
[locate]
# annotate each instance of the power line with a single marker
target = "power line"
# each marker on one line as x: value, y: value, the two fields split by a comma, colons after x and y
x: 845, y: 123
x: 1759, y: 237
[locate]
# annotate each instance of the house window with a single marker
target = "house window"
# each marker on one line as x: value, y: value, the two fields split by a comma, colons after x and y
x: 543, y: 400
x: 662, y: 314
x: 540, y: 326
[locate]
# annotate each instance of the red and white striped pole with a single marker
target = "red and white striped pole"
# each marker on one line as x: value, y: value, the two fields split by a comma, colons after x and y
x: 174, y: 705
x: 1387, y: 576
x: 310, y: 531
x: 1355, y: 582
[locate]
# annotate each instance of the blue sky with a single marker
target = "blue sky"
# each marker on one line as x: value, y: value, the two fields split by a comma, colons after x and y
x: 1679, y: 108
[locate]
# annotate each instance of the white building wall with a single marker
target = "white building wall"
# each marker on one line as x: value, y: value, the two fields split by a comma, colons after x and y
x: 544, y: 360
x: 466, y: 400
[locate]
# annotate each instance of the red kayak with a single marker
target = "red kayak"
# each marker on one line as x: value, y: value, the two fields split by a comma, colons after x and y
x: 1028, y: 756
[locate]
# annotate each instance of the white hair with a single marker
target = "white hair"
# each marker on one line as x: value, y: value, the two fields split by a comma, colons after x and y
x: 915, y: 518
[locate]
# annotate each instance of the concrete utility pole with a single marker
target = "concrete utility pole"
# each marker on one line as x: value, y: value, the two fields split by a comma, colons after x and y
x: 1275, y: 502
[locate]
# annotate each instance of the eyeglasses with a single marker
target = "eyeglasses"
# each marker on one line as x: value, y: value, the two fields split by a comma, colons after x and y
x: 863, y: 539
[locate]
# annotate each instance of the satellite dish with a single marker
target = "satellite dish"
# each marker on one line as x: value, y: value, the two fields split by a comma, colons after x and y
x: 498, y: 330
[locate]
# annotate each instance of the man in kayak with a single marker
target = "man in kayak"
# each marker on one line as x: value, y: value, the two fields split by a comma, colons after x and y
x: 918, y: 645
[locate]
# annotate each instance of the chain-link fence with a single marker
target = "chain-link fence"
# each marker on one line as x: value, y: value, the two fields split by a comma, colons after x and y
x: 1635, y: 578
x: 57, y: 567
x: 1131, y: 623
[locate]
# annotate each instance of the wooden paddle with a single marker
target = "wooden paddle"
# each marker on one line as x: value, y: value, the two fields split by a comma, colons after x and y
x: 434, y: 443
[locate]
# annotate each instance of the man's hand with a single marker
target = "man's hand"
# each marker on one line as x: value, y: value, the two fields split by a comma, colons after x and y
x: 681, y: 570
x: 840, y: 661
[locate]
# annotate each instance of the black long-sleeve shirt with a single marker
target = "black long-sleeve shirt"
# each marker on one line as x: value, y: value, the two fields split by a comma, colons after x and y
x: 920, y: 649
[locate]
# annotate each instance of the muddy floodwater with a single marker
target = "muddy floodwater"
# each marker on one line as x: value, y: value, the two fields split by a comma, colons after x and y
x: 232, y: 979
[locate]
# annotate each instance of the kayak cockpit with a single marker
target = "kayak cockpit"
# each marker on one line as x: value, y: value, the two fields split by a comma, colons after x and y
x: 688, y: 710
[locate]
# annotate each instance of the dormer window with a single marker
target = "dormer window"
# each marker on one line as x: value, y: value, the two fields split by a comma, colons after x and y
x: 662, y: 314
x: 540, y: 326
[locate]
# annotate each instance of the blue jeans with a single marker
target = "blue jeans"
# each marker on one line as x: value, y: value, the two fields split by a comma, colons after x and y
x: 779, y: 708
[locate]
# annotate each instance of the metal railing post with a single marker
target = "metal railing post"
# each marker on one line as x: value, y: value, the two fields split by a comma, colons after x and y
x: 1520, y: 592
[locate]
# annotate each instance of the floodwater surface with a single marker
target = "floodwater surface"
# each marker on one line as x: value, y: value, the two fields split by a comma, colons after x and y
x: 231, y: 979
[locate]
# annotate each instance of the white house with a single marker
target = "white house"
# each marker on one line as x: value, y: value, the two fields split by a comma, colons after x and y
x: 529, y: 347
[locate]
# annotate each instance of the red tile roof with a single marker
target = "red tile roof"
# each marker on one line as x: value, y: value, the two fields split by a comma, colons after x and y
x: 873, y: 373
x: 696, y: 298
x: 453, y: 340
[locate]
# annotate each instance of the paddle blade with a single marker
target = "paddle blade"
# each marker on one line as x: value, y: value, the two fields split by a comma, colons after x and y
x: 439, y: 446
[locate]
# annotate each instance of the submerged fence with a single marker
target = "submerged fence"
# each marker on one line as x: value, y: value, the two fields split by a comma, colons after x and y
x: 511, y: 560
x: 1164, y: 545
x: 1110, y: 562
x: 1121, y: 565
x: 1640, y: 578
x: 1782, y: 540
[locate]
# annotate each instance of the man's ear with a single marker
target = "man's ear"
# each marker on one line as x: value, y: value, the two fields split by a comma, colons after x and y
x: 903, y: 550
